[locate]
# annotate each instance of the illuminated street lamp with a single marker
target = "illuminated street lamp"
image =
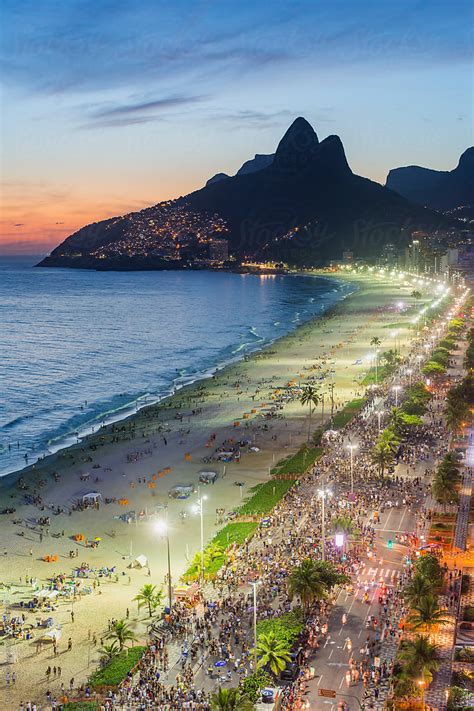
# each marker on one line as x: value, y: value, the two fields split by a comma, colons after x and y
x: 199, y: 508
x: 409, y: 373
x: 351, y: 448
x: 323, y: 493
x: 396, y: 389
x: 422, y: 684
x: 162, y: 528
x: 379, y: 414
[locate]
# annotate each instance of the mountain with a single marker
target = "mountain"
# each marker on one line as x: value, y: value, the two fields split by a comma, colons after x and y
x: 437, y: 189
x: 305, y: 207
x: 260, y: 161
x: 218, y: 176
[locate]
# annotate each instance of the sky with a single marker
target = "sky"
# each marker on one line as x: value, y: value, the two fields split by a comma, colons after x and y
x: 108, y: 106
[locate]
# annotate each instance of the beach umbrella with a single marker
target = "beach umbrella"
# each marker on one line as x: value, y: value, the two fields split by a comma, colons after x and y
x: 220, y: 663
x: 97, y: 538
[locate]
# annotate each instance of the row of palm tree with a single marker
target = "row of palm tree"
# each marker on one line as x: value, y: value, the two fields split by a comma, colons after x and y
x: 313, y: 580
x: 312, y: 396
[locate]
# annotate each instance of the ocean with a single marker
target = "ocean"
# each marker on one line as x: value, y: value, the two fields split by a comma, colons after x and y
x: 80, y: 348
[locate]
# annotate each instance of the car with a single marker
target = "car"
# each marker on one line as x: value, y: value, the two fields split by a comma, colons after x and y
x: 290, y: 672
x: 208, y: 477
x: 181, y: 491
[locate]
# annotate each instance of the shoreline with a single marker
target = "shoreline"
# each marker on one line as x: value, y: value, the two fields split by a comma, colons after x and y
x: 93, y: 427
x: 171, y: 450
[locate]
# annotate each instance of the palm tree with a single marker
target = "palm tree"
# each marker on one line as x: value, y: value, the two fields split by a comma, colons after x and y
x: 444, y: 490
x: 382, y: 456
x: 310, y: 396
x: 230, y: 700
x: 427, y: 614
x: 149, y: 596
x: 329, y: 574
x: 121, y: 633
x: 272, y: 653
x: 376, y: 342
x: 306, y: 582
x: 108, y: 652
x: 419, y: 658
x: 416, y: 294
x: 418, y: 588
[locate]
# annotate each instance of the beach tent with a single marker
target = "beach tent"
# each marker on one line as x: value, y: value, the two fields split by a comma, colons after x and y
x: 52, y: 635
x: 140, y: 562
x: 92, y: 496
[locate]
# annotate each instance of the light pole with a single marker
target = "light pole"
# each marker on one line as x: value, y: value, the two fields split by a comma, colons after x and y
x: 409, y: 373
x: 396, y: 389
x: 163, y: 528
x: 254, y: 585
x: 351, y: 448
x: 379, y: 414
x: 376, y: 366
x: 421, y: 683
x: 322, y: 495
x: 200, y: 510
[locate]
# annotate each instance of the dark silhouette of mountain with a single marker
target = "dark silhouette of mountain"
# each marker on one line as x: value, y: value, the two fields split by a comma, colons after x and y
x: 261, y: 160
x: 305, y: 207
x: 218, y: 176
x: 437, y: 189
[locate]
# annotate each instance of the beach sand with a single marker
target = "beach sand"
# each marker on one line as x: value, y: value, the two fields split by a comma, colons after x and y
x: 341, y: 340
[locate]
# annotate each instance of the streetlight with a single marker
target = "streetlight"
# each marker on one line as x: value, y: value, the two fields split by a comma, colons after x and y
x: 351, y: 448
x: 421, y: 683
x: 199, y: 508
x: 409, y: 373
x: 379, y: 414
x: 163, y: 529
x: 322, y: 493
x: 396, y: 389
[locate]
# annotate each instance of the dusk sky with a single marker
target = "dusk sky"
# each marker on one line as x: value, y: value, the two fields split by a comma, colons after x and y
x: 110, y: 106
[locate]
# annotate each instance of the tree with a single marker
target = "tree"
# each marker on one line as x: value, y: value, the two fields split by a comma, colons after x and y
x: 429, y: 566
x: 418, y: 588
x: 433, y: 368
x: 419, y: 658
x: 329, y: 574
x: 121, y: 633
x: 312, y: 397
x: 416, y: 294
x: 231, y: 700
x: 382, y: 455
x: 306, y: 582
x: 427, y: 614
x: 272, y: 653
x: 108, y: 652
x: 149, y: 596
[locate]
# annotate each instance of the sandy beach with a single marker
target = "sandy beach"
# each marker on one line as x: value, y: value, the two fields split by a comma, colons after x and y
x: 140, y: 459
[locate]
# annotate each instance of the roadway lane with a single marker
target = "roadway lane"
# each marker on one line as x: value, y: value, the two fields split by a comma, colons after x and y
x: 331, y: 661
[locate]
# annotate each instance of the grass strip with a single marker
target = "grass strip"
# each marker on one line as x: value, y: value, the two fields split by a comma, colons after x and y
x: 116, y: 671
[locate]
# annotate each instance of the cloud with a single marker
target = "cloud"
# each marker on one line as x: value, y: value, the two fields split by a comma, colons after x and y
x: 137, y: 113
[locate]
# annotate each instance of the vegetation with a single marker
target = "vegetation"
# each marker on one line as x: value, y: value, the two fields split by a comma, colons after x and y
x: 402, y: 422
x: 469, y: 613
x: 215, y: 554
x: 121, y: 633
x: 231, y: 700
x: 433, y: 368
x: 464, y: 654
x: 306, y: 582
x: 427, y: 614
x: 286, y: 628
x: 115, y: 672
x: 300, y: 462
x: 310, y: 396
x: 272, y: 653
x: 266, y: 496
x: 444, y: 487
x: 416, y: 399
x: 430, y: 568
x: 459, y: 402
x: 80, y: 706
x: 417, y: 659
x: 253, y: 684
x: 149, y: 596
x: 349, y: 411
x: 108, y: 652
x: 418, y: 588
x: 384, y: 449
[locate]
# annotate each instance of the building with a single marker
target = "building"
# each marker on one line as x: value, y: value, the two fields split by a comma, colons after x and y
x: 218, y: 250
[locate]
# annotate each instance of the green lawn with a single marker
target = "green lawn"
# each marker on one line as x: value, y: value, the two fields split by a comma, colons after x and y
x: 231, y: 533
x: 298, y: 463
x: 349, y: 410
x: 266, y: 496
x: 117, y: 670
x: 383, y: 371
x: 80, y: 706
